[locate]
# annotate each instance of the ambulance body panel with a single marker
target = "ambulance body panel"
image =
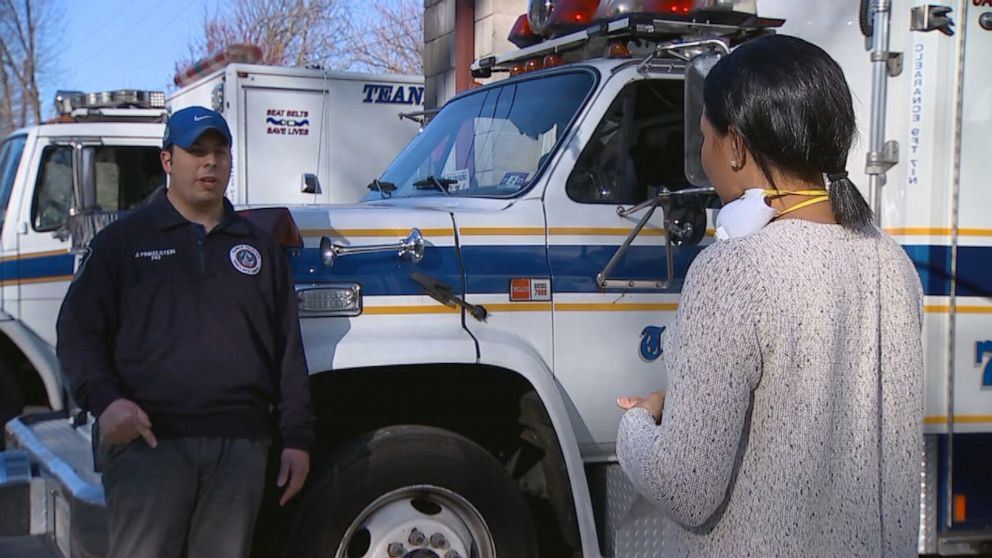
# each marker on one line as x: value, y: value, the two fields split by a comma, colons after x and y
x: 935, y: 202
x: 341, y: 127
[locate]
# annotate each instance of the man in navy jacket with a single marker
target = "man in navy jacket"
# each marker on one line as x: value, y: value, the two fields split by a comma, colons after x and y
x: 180, y: 334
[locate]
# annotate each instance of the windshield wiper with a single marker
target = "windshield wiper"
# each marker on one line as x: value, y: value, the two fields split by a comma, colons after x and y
x: 385, y: 189
x: 431, y: 182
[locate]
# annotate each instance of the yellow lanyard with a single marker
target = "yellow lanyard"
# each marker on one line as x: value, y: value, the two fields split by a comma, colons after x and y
x: 816, y: 196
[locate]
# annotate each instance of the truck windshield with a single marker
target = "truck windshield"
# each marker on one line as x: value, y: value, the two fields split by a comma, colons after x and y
x: 10, y: 158
x: 491, y: 143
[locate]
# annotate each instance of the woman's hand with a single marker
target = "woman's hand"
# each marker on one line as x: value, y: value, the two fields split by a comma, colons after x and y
x: 654, y: 402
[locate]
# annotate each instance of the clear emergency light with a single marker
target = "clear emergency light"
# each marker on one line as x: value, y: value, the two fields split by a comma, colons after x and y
x: 552, y: 17
x: 622, y: 7
x: 68, y: 101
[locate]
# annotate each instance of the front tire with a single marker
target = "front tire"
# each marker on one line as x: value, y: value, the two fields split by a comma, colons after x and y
x: 414, y: 491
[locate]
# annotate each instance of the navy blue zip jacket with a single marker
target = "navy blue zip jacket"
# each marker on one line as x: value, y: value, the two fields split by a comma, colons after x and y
x: 199, y: 329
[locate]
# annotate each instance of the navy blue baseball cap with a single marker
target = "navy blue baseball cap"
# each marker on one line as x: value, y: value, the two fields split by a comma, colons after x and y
x: 187, y: 125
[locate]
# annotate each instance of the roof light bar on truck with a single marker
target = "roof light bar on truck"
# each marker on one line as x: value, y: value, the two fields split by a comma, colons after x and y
x: 230, y: 54
x: 593, y: 40
x: 68, y: 101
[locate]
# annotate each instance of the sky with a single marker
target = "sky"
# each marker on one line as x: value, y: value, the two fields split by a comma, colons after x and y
x: 104, y: 45
x: 115, y: 44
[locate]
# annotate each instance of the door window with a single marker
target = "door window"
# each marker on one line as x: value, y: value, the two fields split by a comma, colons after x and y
x: 123, y: 176
x: 638, y: 147
x: 114, y: 178
x: 53, y: 191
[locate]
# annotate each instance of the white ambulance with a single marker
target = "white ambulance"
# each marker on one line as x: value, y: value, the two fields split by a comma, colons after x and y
x: 470, y: 323
x: 296, y: 133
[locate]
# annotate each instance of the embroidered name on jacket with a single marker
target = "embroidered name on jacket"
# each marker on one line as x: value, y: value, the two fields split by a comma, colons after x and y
x: 154, y: 255
x: 246, y: 259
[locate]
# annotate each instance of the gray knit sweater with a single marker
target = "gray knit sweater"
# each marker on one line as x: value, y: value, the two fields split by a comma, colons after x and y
x: 769, y: 442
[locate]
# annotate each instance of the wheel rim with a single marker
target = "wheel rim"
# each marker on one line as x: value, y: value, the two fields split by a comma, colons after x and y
x: 421, y: 521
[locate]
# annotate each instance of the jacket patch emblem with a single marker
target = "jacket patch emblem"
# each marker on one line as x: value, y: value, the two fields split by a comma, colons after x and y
x: 246, y: 259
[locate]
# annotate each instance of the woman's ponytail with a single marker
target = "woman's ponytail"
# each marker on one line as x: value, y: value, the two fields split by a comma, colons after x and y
x: 849, y: 206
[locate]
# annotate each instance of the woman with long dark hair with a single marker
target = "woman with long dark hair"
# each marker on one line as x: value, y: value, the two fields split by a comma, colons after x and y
x: 791, y: 422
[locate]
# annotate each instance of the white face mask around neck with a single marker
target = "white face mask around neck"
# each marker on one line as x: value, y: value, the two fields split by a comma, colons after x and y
x: 749, y: 213
x: 744, y: 216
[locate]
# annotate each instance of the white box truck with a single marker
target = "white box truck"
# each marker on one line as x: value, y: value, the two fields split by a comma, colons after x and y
x: 341, y: 128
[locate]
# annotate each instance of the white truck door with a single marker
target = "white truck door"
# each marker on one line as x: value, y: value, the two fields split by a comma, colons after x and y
x: 607, y: 340
x: 115, y: 177
x: 11, y: 152
x: 282, y: 138
x: 44, y: 263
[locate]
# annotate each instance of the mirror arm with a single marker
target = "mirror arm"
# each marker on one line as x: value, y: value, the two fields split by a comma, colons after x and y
x: 602, y: 278
x: 662, y: 195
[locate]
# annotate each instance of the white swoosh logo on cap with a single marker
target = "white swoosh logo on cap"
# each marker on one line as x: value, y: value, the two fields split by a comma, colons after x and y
x: 199, y: 118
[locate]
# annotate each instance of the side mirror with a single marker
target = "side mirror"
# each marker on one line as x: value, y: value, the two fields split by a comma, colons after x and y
x: 84, y: 225
x: 696, y: 70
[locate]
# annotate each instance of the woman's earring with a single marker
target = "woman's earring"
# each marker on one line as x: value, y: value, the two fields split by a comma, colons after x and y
x: 735, y: 165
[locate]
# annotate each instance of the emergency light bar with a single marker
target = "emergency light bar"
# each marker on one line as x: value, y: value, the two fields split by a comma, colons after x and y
x: 231, y: 54
x: 66, y: 102
x: 595, y: 39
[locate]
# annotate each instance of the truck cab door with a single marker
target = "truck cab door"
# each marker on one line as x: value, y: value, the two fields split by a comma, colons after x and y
x: 609, y: 336
x: 11, y: 152
x: 73, y: 176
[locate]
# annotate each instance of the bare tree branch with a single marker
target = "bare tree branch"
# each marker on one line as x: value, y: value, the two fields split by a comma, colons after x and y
x: 25, y: 31
x: 323, y: 33
x: 392, y: 40
x: 289, y: 32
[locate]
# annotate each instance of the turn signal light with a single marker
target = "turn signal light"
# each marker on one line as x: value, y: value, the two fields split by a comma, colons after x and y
x: 329, y: 300
x: 960, y: 508
x: 552, y: 60
x: 619, y: 49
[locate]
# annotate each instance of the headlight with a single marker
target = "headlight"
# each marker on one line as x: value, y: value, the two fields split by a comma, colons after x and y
x: 329, y: 300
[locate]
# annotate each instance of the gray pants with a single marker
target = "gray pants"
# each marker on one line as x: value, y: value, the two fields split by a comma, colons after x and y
x: 193, y: 497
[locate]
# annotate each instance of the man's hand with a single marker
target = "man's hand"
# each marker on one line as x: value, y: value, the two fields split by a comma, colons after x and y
x: 654, y: 402
x: 293, y: 469
x: 123, y: 420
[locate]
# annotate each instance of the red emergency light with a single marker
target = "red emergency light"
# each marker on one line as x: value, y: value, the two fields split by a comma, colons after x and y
x: 231, y: 54
x: 521, y: 33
